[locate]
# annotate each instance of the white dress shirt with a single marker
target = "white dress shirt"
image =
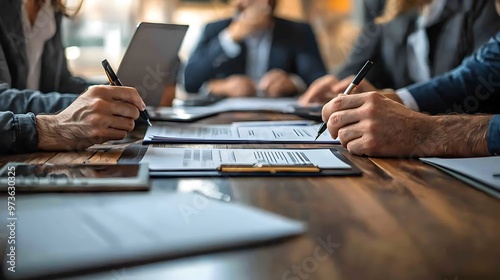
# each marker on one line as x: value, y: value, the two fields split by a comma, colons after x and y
x: 419, y: 50
x: 36, y: 36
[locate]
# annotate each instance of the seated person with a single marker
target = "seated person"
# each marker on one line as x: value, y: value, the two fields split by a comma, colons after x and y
x: 415, y: 46
x: 254, y: 53
x: 100, y: 114
x: 376, y: 125
x: 31, y: 52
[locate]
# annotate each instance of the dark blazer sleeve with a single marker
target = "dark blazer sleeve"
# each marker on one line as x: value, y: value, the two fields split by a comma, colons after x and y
x: 368, y: 46
x: 55, y: 73
x: 471, y: 88
x: 309, y: 63
x: 494, y: 136
x: 207, y: 58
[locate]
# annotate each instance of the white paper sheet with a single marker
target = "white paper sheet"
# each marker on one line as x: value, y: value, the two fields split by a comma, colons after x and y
x: 235, y: 134
x: 274, y: 123
x: 485, y: 170
x: 81, y: 232
x: 253, y: 104
x: 179, y: 159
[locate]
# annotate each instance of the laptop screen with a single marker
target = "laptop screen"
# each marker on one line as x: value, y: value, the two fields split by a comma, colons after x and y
x: 151, y: 61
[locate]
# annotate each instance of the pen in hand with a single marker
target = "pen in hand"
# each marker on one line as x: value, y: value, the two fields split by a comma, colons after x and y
x: 357, y: 80
x: 114, y: 81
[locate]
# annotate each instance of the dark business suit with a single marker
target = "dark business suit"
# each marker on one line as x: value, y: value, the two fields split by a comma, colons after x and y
x: 463, y: 27
x: 55, y: 76
x: 294, y: 49
x: 472, y: 88
x: 372, y: 9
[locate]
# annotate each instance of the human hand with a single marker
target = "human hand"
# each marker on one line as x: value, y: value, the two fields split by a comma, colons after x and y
x: 255, y: 18
x: 341, y: 86
x: 373, y: 125
x: 233, y: 86
x: 320, y: 92
x: 101, y: 114
x: 277, y: 83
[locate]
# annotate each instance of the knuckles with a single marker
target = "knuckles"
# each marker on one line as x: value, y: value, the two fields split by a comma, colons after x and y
x: 335, y: 119
x: 130, y: 125
x: 337, y: 103
x: 99, y: 105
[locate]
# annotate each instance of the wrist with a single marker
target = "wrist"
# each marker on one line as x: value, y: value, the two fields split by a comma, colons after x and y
x: 234, y: 31
x: 47, y: 128
x: 391, y: 94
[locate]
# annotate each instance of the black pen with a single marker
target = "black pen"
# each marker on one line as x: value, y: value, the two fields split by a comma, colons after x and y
x: 357, y: 80
x: 114, y: 81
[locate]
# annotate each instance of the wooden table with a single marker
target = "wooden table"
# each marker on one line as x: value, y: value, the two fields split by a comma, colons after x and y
x: 401, y: 220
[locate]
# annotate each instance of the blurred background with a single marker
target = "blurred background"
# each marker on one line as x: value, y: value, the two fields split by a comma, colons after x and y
x: 103, y: 29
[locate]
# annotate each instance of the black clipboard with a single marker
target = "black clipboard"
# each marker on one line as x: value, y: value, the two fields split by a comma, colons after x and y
x: 259, y: 172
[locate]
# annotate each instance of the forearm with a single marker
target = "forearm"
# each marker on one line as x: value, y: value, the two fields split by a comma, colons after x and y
x: 457, y: 136
x: 19, y: 133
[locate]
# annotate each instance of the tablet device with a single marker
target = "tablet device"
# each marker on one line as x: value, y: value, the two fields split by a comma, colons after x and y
x: 151, y: 62
x: 23, y: 177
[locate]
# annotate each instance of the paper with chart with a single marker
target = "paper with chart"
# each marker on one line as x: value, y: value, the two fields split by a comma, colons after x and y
x: 186, y: 159
x: 228, y: 134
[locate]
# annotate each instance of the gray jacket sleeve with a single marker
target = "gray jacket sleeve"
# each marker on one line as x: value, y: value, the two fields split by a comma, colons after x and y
x: 17, y: 116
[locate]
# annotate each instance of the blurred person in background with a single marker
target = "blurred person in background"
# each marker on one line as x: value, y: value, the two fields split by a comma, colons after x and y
x: 254, y: 53
x: 412, y: 42
x: 32, y: 55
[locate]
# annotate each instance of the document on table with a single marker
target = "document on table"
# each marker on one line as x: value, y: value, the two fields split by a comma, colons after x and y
x: 227, y: 134
x: 187, y: 159
x: 485, y: 170
x: 179, y: 113
x: 84, y: 233
x: 254, y: 104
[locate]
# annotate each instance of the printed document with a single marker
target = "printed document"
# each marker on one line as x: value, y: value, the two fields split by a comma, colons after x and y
x: 185, y: 159
x: 237, y: 134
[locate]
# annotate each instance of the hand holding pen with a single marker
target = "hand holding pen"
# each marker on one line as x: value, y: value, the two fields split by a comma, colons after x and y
x: 115, y: 81
x: 357, y: 80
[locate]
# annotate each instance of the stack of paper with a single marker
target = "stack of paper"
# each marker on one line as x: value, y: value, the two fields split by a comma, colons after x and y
x: 230, y: 134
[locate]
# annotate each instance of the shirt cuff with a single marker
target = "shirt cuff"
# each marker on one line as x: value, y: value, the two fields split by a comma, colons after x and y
x: 230, y: 47
x: 408, y: 99
x: 26, y: 134
x: 299, y: 83
x: 204, y: 89
x: 494, y: 136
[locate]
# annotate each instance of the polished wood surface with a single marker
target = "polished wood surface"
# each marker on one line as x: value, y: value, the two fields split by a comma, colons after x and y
x: 401, y: 220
